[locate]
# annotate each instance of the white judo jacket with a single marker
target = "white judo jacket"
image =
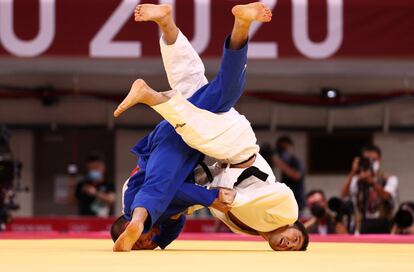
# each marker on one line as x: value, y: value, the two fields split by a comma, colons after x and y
x: 262, y: 205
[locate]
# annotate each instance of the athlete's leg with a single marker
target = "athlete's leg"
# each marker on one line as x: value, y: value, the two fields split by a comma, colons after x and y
x: 223, y: 92
x: 184, y: 68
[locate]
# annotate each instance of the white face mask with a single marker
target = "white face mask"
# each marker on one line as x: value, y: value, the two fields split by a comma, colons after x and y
x: 376, y: 166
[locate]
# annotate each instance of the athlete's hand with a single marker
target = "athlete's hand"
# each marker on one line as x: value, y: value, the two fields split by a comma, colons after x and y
x: 227, y: 196
x: 220, y: 206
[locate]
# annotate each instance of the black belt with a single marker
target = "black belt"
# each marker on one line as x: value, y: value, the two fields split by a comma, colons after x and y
x: 232, y: 165
x: 251, y: 171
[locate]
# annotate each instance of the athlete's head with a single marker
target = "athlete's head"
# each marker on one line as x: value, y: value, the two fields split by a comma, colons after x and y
x: 144, y: 240
x: 289, y: 238
x: 118, y: 227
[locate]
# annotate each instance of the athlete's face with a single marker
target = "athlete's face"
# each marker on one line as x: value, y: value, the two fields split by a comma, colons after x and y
x: 287, y: 238
x: 145, y: 240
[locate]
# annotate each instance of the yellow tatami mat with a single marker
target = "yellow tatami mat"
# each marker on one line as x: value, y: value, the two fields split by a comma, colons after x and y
x: 198, y: 256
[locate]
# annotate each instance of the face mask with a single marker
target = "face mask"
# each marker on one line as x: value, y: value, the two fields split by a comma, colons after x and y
x: 317, y: 211
x: 376, y: 166
x: 95, y: 175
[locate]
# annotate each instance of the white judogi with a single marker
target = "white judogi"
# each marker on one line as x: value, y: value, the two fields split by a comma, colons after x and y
x: 262, y: 206
x: 228, y: 137
x: 184, y: 68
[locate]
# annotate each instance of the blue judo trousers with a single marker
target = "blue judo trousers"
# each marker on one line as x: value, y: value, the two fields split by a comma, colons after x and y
x: 164, y: 184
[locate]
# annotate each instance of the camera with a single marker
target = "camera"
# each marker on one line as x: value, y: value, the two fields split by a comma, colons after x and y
x: 365, y: 165
x: 10, y: 170
x: 342, y: 209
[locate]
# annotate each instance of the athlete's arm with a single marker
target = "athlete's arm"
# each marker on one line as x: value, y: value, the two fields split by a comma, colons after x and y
x: 169, y: 165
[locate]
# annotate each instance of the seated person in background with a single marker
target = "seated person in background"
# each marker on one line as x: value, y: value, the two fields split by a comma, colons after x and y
x: 404, y: 219
x: 291, y: 169
x: 373, y: 191
x: 321, y: 222
x: 96, y: 197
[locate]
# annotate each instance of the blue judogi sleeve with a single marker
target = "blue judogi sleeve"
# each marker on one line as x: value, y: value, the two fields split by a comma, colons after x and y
x: 188, y: 195
x: 168, y: 166
x: 222, y: 93
x: 169, y: 231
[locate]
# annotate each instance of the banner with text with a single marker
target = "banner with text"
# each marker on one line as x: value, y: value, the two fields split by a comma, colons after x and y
x: 310, y: 29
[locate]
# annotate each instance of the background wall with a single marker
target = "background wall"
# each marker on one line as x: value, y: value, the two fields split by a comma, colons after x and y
x: 22, y: 147
x: 398, y: 155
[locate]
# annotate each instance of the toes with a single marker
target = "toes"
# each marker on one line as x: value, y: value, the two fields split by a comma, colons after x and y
x: 139, y: 18
x: 121, y: 108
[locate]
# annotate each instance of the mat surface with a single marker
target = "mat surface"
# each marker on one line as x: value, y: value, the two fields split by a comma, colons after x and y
x: 76, y: 255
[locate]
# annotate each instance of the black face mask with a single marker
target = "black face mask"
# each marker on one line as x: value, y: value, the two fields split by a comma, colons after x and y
x: 317, y: 211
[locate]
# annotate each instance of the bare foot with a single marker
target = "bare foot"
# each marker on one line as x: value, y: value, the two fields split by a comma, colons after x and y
x: 252, y: 12
x: 140, y: 93
x: 150, y: 12
x: 129, y: 237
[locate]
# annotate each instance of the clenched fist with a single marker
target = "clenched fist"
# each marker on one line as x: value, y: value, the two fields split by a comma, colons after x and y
x: 227, y: 196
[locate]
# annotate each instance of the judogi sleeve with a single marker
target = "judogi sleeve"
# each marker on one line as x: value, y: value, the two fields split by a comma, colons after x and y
x: 169, y: 231
x: 169, y: 165
x: 188, y: 195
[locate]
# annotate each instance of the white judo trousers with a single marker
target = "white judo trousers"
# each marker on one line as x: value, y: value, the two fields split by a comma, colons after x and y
x: 227, y: 137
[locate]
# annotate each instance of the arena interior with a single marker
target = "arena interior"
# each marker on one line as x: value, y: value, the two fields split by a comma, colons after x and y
x: 329, y: 95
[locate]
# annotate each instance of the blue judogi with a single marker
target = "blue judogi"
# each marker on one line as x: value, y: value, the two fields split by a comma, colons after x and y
x: 188, y: 195
x: 166, y: 163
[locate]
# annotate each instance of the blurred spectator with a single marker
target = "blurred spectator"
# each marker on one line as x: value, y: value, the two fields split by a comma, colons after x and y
x: 404, y: 219
x: 292, y: 170
x: 321, y: 222
x: 95, y: 196
x: 267, y: 152
x: 374, y: 193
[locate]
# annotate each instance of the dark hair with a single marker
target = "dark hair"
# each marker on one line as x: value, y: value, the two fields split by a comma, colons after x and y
x: 316, y: 191
x: 371, y: 148
x: 118, y: 227
x: 266, y: 151
x: 300, y: 227
x: 283, y: 139
x: 94, y: 157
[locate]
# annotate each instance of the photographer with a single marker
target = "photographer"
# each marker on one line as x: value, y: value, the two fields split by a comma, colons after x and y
x: 322, y: 221
x: 96, y: 197
x: 374, y: 192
